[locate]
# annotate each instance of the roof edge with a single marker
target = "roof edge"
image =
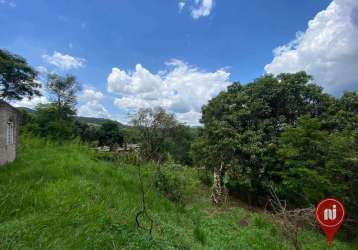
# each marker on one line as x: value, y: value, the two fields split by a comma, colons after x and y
x: 9, y: 105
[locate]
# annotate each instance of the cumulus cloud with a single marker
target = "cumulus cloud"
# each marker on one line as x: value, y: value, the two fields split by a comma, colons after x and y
x: 191, y: 117
x: 91, y: 104
x: 180, y: 88
x: 93, y: 109
x: 91, y: 94
x: 328, y: 49
x: 133, y: 83
x: 198, y: 8
x: 64, y: 61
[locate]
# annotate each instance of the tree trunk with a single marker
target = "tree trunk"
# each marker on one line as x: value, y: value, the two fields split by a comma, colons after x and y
x: 218, y: 194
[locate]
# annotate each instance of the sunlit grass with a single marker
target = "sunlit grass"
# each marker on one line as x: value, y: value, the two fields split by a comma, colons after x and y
x: 57, y: 197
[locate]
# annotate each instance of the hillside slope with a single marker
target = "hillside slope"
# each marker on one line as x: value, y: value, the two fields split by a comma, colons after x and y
x: 57, y: 197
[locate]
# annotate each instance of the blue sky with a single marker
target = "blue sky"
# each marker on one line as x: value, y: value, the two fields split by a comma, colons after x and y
x: 130, y: 54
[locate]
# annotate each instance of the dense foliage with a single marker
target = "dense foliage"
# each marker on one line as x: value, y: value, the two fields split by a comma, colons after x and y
x: 110, y: 134
x: 160, y: 135
x: 87, y: 133
x: 56, y: 119
x: 170, y: 184
x: 283, y: 132
x: 53, y: 121
x: 17, y: 78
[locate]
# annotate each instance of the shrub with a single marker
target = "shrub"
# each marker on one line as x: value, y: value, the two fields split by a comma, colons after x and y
x: 170, y: 184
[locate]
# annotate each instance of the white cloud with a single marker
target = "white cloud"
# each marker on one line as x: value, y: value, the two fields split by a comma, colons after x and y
x: 191, y: 118
x: 203, y: 8
x: 91, y: 94
x: 328, y: 49
x: 198, y: 8
x: 64, y: 61
x: 133, y: 83
x: 181, y: 89
x: 132, y: 103
x: 181, y: 6
x: 92, y: 107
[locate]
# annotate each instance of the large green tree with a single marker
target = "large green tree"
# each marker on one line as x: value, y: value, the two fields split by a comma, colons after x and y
x: 47, y: 122
x: 17, y: 77
x: 242, y: 124
x: 87, y: 133
x: 160, y: 134
x: 282, y: 132
x: 315, y: 163
x: 57, y: 119
x: 154, y: 127
x: 62, y: 90
x: 110, y: 134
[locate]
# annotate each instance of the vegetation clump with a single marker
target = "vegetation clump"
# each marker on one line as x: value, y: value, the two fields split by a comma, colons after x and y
x: 170, y: 183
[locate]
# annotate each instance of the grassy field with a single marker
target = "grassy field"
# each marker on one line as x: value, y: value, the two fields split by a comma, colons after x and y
x: 58, y: 197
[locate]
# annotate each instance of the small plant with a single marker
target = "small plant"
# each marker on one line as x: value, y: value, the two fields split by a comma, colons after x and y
x: 199, y: 234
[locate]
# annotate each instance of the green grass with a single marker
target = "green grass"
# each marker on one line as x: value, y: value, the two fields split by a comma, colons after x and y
x: 57, y: 197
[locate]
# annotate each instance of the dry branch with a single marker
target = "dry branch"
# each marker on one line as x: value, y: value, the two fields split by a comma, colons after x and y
x: 291, y: 222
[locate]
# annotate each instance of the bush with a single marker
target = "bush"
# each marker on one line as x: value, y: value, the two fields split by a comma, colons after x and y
x: 316, y: 164
x: 169, y: 184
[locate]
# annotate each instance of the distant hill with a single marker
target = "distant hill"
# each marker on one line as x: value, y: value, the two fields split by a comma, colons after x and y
x: 96, y: 121
x: 88, y: 120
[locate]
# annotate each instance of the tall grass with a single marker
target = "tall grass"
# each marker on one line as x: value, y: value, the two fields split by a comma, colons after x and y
x: 56, y: 196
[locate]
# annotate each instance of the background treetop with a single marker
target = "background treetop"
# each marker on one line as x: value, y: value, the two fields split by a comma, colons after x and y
x: 63, y: 89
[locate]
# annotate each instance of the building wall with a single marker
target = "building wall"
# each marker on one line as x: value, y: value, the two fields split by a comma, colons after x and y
x: 7, y: 152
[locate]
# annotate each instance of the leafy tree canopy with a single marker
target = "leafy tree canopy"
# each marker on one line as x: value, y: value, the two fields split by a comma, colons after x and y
x: 110, y: 134
x: 160, y: 134
x: 17, y: 78
x: 282, y: 132
x: 48, y: 124
x: 63, y: 89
